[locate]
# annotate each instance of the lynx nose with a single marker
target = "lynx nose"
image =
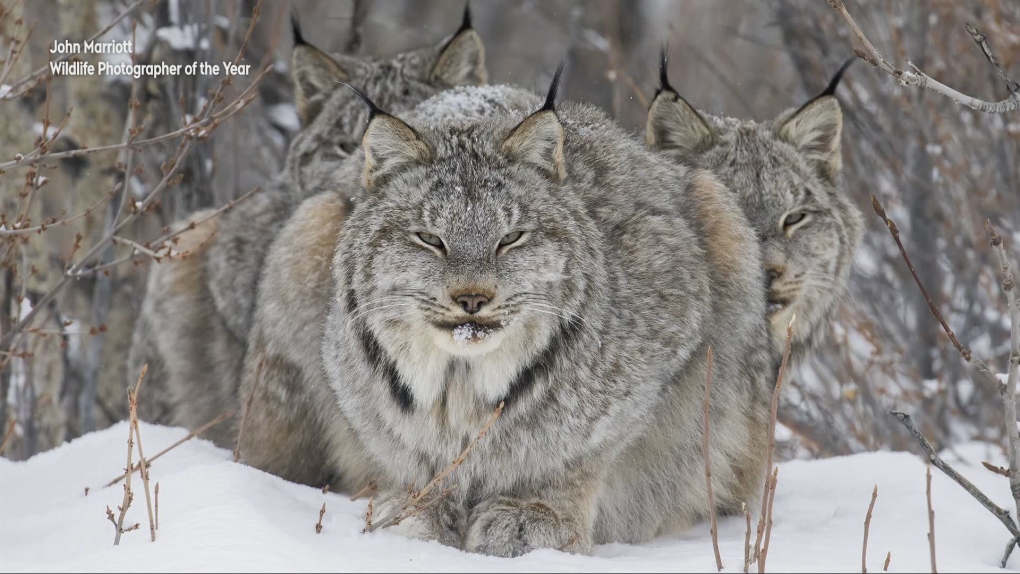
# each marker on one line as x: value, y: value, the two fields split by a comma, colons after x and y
x: 472, y: 303
x: 772, y: 272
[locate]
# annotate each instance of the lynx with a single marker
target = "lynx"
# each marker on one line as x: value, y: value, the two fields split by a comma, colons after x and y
x: 544, y: 261
x: 786, y: 173
x: 196, y: 315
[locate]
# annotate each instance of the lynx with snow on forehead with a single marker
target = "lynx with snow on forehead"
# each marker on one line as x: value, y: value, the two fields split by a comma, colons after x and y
x: 525, y: 259
x: 195, y: 318
x: 786, y: 172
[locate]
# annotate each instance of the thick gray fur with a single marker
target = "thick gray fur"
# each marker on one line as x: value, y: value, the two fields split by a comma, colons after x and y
x: 197, y: 311
x: 789, y: 165
x: 604, y: 311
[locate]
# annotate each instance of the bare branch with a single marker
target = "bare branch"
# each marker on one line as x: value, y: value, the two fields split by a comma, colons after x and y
x: 981, y: 366
x: 772, y: 480
x: 1009, y: 392
x: 133, y: 409
x: 747, y: 539
x: 706, y: 444
x: 888, y: 558
x: 222, y: 417
x: 772, y: 443
x: 923, y: 81
x: 247, y: 408
x: 931, y: 520
x: 867, y: 526
x: 318, y: 525
x: 1000, y: 513
x: 7, y: 435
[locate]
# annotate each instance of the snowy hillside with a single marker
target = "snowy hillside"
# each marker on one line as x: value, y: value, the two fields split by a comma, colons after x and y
x: 215, y: 515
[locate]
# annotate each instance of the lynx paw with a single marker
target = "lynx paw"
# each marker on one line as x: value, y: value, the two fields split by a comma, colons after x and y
x: 509, y: 527
x: 439, y: 520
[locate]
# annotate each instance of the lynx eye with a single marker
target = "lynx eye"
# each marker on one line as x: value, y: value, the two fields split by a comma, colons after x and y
x: 511, y: 238
x: 794, y: 218
x: 430, y: 239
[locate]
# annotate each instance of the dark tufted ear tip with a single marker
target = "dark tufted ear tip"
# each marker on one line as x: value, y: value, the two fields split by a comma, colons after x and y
x: 664, y: 71
x: 373, y: 110
x: 295, y: 27
x: 554, y: 88
x: 830, y: 90
x: 466, y: 22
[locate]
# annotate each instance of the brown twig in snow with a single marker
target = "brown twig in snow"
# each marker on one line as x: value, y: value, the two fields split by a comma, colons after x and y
x: 415, y: 498
x: 768, y: 525
x: 133, y: 410
x: 369, y: 514
x: 247, y: 407
x: 772, y: 444
x: 981, y: 366
x: 318, y: 525
x: 156, y: 494
x: 369, y: 489
x: 922, y: 80
x: 7, y: 435
x: 747, y: 539
x: 222, y: 417
x: 128, y: 495
x: 933, y: 458
x: 888, y: 557
x: 931, y: 519
x: 867, y: 525
x: 706, y: 444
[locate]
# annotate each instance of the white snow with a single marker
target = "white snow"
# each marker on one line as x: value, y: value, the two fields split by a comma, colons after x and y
x: 217, y: 515
x: 186, y: 37
x: 469, y: 332
x: 284, y: 116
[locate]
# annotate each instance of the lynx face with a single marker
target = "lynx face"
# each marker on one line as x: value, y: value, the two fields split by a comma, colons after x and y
x: 332, y: 117
x: 456, y: 259
x: 786, y: 172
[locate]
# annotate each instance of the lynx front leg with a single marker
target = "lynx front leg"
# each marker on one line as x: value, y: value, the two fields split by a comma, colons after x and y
x: 561, y: 518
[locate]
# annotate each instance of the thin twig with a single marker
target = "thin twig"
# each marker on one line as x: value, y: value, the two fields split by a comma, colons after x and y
x: 772, y: 441
x: 747, y: 539
x: 7, y: 435
x: 416, y: 497
x: 128, y: 495
x: 768, y: 525
x: 247, y: 407
x: 931, y: 519
x: 981, y: 366
x: 888, y: 557
x: 706, y: 444
x: 222, y: 417
x: 996, y: 469
x: 369, y: 488
x: 1009, y: 392
x: 156, y: 493
x: 940, y: 464
x: 867, y: 525
x: 369, y: 513
x: 133, y: 409
x: 318, y: 525
x: 922, y: 80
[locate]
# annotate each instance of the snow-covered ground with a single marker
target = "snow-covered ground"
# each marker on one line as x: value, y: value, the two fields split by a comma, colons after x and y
x: 215, y: 515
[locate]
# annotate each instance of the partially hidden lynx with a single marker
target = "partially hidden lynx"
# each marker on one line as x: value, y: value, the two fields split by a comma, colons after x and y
x: 543, y: 260
x: 786, y: 173
x: 196, y: 314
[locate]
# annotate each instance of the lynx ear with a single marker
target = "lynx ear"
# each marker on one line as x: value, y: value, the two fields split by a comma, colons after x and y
x: 815, y: 130
x: 673, y: 124
x: 539, y: 139
x: 390, y: 145
x: 314, y: 74
x: 462, y: 59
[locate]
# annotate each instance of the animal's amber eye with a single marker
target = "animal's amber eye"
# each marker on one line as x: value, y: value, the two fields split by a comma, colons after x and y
x: 511, y: 238
x: 430, y: 239
x: 794, y: 218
